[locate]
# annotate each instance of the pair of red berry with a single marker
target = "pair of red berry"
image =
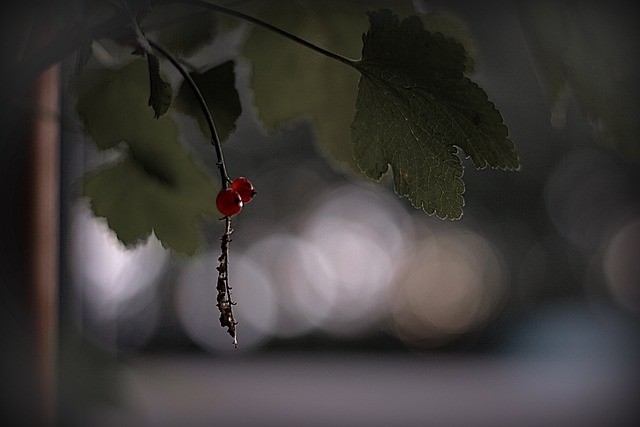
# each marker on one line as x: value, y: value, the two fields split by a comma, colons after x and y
x: 230, y: 200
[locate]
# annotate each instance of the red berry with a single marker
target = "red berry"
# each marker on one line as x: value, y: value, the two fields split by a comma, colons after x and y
x: 244, y: 187
x: 229, y: 202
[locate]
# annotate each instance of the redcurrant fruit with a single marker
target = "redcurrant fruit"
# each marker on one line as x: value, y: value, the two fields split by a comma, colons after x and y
x: 229, y: 202
x: 244, y: 187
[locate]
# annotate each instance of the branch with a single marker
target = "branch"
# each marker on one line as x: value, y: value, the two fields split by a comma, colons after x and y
x: 270, y: 27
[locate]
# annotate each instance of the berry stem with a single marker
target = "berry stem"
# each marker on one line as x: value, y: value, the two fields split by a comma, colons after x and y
x: 215, y: 139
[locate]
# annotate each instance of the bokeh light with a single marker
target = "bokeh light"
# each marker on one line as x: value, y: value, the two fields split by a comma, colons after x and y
x: 622, y: 268
x: 359, y: 231
x: 453, y: 284
x: 330, y: 270
x: 586, y: 196
x: 115, y: 284
x: 299, y: 275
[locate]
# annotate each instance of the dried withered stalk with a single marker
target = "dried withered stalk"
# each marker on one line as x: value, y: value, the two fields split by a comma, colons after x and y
x: 224, y: 302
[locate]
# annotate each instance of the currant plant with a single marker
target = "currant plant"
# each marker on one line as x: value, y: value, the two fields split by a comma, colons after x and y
x: 415, y: 108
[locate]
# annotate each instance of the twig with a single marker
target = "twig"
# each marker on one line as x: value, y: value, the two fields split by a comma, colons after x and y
x: 223, y: 298
x: 224, y: 301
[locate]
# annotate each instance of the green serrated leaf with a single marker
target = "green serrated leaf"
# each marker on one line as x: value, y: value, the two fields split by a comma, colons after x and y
x: 414, y: 107
x: 219, y: 91
x: 156, y: 186
x: 160, y: 91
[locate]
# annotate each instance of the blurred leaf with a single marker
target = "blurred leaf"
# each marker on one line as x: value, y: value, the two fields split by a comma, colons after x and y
x: 155, y: 186
x: 415, y: 107
x: 180, y: 29
x: 138, y: 198
x: 114, y: 107
x: 160, y: 91
x: 588, y: 50
x: 219, y: 91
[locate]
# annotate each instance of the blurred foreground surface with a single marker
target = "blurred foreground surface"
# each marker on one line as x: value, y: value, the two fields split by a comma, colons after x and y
x: 365, y: 390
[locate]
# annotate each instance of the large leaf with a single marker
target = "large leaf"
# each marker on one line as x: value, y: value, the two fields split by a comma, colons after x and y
x: 415, y: 108
x: 155, y: 186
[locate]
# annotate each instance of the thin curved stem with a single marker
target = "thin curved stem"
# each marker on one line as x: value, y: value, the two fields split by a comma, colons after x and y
x: 270, y: 27
x: 215, y: 139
